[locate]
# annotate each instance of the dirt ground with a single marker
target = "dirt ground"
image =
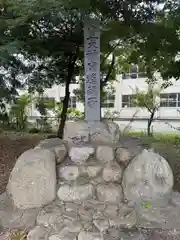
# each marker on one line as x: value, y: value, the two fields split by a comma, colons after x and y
x: 12, y: 146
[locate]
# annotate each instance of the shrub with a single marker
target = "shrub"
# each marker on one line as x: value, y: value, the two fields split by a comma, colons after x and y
x: 34, y: 130
x: 47, y: 129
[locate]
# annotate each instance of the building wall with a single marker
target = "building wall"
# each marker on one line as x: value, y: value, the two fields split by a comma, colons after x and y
x: 57, y: 92
x: 122, y: 87
x: 128, y: 87
x: 158, y: 126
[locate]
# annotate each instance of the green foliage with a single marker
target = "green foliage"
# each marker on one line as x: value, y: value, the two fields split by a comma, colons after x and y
x: 34, y: 130
x: 147, y: 99
x: 106, y: 88
x: 111, y: 114
x: 47, y: 129
x: 71, y: 112
x: 146, y: 204
x: 166, y: 138
x: 58, y: 110
x: 4, y: 118
x: 158, y: 45
x: 52, y: 48
x: 18, y: 235
x: 74, y: 114
x: 43, y: 104
x: 18, y: 111
x: 49, y: 34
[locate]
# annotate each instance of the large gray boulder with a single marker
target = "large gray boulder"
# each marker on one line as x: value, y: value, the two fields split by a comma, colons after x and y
x: 97, y: 132
x: 89, y: 236
x: 76, y: 131
x: 111, y: 193
x: 69, y: 193
x: 148, y: 176
x: 38, y: 232
x: 80, y: 155
x: 104, y: 132
x: 32, y: 182
x: 112, y: 173
x: 114, y: 130
x: 105, y: 154
x: 56, y: 145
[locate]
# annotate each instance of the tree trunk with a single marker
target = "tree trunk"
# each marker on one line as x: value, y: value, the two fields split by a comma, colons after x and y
x: 104, y: 83
x: 64, y: 112
x: 71, y: 65
x: 150, y: 120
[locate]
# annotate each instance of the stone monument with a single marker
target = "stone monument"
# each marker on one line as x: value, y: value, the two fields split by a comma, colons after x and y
x: 92, y: 129
x: 92, y: 70
x: 91, y: 187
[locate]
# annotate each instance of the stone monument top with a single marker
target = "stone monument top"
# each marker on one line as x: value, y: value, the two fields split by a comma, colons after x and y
x: 92, y: 70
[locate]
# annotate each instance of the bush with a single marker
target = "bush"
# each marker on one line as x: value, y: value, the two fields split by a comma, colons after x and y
x: 34, y: 130
x: 47, y: 129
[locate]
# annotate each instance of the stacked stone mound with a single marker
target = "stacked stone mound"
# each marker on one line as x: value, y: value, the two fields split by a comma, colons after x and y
x: 90, y: 189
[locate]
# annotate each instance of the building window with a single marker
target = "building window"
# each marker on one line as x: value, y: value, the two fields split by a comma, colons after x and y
x: 134, y: 72
x: 108, y: 102
x: 169, y: 100
x: 74, y: 80
x: 72, y: 102
x: 178, y: 100
x: 128, y: 101
x: 49, y: 99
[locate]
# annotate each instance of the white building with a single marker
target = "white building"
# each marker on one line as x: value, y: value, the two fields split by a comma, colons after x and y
x: 167, y: 117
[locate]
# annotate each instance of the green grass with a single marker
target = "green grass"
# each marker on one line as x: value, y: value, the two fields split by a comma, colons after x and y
x: 159, y: 137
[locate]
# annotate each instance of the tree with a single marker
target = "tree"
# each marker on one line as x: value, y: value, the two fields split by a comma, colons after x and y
x: 51, y: 35
x: 171, y: 52
x: 51, y: 38
x: 43, y: 104
x: 158, y: 43
x: 149, y: 100
x: 18, y: 111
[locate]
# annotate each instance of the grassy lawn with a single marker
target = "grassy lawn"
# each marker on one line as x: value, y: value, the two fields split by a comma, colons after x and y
x: 162, y: 137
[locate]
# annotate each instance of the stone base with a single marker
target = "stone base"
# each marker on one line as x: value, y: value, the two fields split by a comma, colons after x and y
x: 95, y: 132
x: 104, y: 190
x: 90, y: 219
